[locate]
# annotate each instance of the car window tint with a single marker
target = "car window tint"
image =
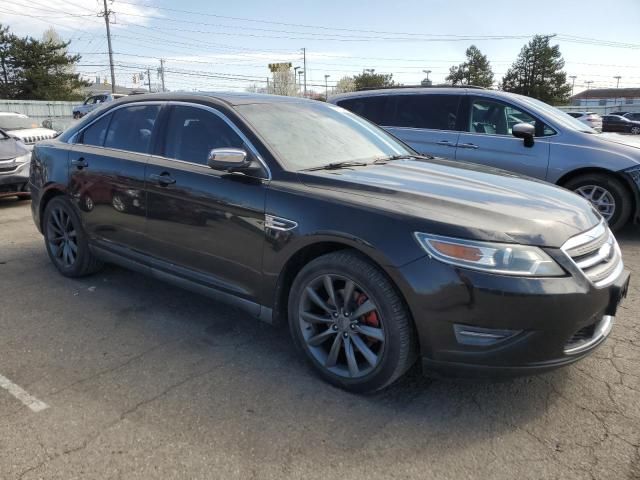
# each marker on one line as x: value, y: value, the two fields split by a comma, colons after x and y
x: 495, y: 118
x: 132, y: 127
x: 96, y: 132
x: 193, y: 132
x: 438, y: 112
x: 371, y: 108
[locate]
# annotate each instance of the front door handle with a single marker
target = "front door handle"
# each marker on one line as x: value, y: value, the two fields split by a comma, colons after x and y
x: 162, y: 179
x: 79, y: 163
x: 468, y: 145
x: 445, y: 143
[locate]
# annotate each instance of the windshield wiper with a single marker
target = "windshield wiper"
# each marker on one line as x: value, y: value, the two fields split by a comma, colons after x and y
x: 390, y: 158
x: 338, y: 165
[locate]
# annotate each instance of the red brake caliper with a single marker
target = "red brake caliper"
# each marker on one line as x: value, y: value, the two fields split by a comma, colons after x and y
x: 370, y: 318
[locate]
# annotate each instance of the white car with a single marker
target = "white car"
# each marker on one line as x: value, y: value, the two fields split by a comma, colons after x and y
x: 25, y: 129
x: 589, y: 118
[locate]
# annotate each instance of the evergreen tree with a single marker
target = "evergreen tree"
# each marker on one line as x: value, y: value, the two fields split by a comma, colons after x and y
x: 538, y: 73
x: 475, y: 71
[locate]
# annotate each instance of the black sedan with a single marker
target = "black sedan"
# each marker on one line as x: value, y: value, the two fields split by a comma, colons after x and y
x: 617, y: 123
x: 307, y: 215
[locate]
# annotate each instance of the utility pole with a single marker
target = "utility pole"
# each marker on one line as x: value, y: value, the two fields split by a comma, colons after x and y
x: 106, y: 14
x: 304, y: 66
x: 149, y: 78
x: 586, y: 101
x: 161, y: 72
x: 573, y: 83
x: 295, y: 77
x: 617, y: 77
x: 326, y: 87
x: 300, y: 73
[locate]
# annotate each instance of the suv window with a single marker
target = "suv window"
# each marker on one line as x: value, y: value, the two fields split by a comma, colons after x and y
x: 96, y: 132
x: 132, y: 127
x: 371, y: 108
x: 434, y: 111
x: 193, y: 132
x: 496, y: 118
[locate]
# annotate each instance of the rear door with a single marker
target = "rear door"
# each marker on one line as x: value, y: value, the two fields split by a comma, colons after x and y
x: 488, y: 138
x: 107, y: 169
x: 426, y: 122
x: 208, y: 225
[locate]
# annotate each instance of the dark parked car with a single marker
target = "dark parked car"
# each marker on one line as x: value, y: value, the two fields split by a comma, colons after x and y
x: 617, y: 123
x: 304, y: 214
x: 632, y: 116
x: 14, y: 167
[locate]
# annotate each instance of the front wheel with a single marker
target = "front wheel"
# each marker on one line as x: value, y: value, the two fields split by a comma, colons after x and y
x: 350, y: 322
x: 607, y: 194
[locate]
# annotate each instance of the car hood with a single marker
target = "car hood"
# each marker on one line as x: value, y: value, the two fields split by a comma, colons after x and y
x: 32, y: 135
x: 10, y: 149
x: 632, y: 141
x: 463, y: 200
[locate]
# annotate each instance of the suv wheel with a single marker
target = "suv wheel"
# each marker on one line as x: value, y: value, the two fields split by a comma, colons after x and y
x: 607, y: 194
x: 350, y: 323
x: 66, y: 240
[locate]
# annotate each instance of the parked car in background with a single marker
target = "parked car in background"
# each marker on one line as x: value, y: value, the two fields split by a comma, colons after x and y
x: 617, y: 123
x: 591, y: 119
x: 303, y: 213
x: 93, y: 102
x: 14, y: 167
x: 24, y: 128
x: 511, y: 132
x: 632, y: 116
x: 622, y: 113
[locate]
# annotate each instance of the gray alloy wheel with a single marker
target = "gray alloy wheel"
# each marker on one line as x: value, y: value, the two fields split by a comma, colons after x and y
x: 635, y: 130
x: 601, y: 198
x: 342, y: 326
x: 62, y: 237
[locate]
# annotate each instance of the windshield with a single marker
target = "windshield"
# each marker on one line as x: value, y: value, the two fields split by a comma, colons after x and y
x: 557, y: 115
x: 312, y: 134
x: 16, y: 122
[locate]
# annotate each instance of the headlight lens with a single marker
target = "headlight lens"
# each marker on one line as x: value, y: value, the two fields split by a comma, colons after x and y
x: 24, y: 158
x: 502, y: 258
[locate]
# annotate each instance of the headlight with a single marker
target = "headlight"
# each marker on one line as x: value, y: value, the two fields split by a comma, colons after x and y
x: 24, y: 158
x: 502, y: 258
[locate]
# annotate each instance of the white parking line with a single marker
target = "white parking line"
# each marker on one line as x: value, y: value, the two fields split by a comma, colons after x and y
x: 29, y: 400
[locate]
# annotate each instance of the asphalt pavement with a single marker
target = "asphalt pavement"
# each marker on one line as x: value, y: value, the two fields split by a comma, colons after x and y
x: 120, y: 376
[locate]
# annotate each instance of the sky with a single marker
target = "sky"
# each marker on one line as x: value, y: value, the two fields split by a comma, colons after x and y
x: 215, y: 45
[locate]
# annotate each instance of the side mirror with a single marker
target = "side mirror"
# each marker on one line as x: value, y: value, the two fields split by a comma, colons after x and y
x: 228, y: 159
x: 526, y: 131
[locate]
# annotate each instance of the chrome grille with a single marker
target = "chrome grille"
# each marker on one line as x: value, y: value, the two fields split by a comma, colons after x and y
x: 597, y: 254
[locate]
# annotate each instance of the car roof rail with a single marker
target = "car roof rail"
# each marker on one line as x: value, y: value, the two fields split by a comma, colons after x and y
x: 393, y: 87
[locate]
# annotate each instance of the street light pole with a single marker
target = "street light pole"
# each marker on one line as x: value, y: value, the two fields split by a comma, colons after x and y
x: 304, y: 66
x: 617, y: 77
x: 106, y: 14
x: 300, y: 73
x: 295, y: 77
x: 588, y: 83
x: 326, y: 87
x: 427, y: 72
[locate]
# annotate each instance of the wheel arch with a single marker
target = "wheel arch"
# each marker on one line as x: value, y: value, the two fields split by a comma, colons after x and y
x: 624, y: 179
x: 46, y: 197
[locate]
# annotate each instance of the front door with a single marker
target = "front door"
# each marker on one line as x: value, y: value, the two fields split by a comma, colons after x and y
x: 208, y: 223
x: 488, y: 139
x: 107, y: 170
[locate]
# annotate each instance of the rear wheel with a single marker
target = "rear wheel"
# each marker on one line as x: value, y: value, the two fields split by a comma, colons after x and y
x: 350, y: 323
x: 635, y: 130
x: 607, y: 194
x: 66, y: 240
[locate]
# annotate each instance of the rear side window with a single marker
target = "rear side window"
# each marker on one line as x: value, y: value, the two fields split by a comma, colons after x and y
x: 132, y: 127
x: 96, y: 132
x: 193, y: 132
x: 372, y: 108
x: 438, y: 112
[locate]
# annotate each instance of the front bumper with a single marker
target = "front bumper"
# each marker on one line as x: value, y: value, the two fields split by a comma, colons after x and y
x: 15, y: 182
x: 524, y: 325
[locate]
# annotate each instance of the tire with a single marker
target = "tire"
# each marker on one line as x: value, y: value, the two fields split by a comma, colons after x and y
x: 621, y: 197
x: 62, y: 228
x: 387, y: 331
x: 635, y: 130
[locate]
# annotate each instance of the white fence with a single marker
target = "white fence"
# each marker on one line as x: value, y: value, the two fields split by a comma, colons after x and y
x: 40, y: 110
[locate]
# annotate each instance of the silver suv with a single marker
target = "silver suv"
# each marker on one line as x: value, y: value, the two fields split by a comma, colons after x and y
x: 511, y: 132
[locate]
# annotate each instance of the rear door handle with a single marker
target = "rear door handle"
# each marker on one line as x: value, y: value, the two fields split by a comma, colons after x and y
x: 468, y: 145
x: 79, y: 163
x: 445, y: 143
x: 162, y: 179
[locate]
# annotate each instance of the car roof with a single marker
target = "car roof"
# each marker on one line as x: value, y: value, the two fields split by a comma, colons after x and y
x: 232, y: 99
x: 13, y: 114
x: 413, y: 91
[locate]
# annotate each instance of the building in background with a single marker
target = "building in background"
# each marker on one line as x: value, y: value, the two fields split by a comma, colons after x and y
x: 607, y: 99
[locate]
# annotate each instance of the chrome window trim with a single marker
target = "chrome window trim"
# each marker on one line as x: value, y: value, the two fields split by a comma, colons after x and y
x: 254, y: 151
